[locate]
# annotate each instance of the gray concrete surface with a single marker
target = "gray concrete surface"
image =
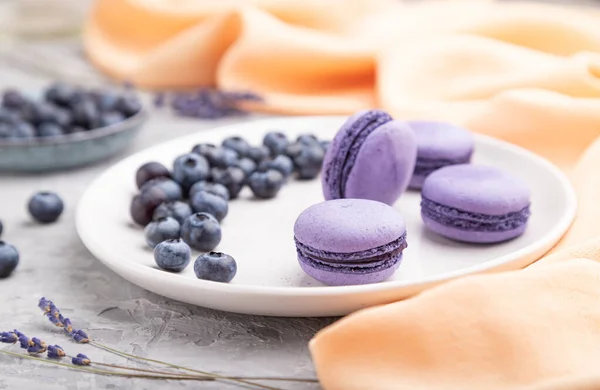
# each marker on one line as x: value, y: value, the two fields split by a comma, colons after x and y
x: 55, y: 264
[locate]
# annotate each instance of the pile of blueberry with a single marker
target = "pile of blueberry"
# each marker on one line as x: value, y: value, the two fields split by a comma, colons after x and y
x: 64, y: 109
x: 44, y: 207
x: 183, y: 207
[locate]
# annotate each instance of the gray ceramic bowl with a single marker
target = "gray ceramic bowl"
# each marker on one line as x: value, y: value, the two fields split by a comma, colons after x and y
x: 71, y: 150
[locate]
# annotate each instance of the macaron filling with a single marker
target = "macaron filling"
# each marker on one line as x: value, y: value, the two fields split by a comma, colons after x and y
x: 368, y: 261
x: 349, y: 148
x: 460, y: 219
x: 425, y: 166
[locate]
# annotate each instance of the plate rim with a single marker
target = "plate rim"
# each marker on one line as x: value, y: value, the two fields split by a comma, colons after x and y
x: 540, y: 246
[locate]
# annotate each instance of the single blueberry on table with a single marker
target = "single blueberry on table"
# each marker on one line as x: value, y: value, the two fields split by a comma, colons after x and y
x: 213, y: 188
x: 150, y: 170
x: 110, y: 118
x: 223, y: 157
x: 240, y: 145
x: 174, y: 209
x: 307, y: 139
x: 205, y: 202
x: 172, y: 255
x: 266, y: 184
x: 309, y: 161
x: 45, y: 207
x: 276, y: 142
x: 49, y: 129
x: 258, y: 153
x: 86, y: 114
x: 201, y: 231
x: 14, y: 99
x: 204, y: 150
x: 247, y: 165
x: 171, y: 188
x: 216, y: 267
x: 9, y: 259
x: 161, y: 229
x: 233, y: 178
x: 128, y: 105
x: 59, y: 94
x: 189, y: 169
x: 281, y: 163
x: 22, y: 130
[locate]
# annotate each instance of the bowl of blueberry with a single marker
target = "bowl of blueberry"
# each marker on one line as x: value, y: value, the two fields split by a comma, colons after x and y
x: 67, y: 127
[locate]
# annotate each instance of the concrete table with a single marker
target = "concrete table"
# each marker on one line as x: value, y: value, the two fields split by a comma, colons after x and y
x: 55, y: 264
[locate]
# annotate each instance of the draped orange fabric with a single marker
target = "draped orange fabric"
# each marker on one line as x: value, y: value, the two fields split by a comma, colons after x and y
x: 525, y: 72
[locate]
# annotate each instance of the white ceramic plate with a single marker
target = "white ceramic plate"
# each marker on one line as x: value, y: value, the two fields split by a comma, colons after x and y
x: 258, y: 234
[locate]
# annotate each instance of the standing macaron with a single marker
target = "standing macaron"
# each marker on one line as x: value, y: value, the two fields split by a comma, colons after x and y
x: 475, y: 203
x: 371, y: 157
x: 350, y: 241
x: 439, y: 144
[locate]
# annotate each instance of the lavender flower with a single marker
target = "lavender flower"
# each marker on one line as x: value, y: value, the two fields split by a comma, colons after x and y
x: 56, y: 352
x: 37, y: 346
x: 209, y: 103
x: 24, y: 341
x: 67, y: 326
x: 81, y: 360
x: 8, y: 337
x: 80, y: 336
x: 57, y: 319
x: 45, y: 305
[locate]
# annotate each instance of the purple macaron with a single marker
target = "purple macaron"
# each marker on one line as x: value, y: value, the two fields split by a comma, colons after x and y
x: 371, y: 157
x: 439, y: 144
x: 350, y: 241
x: 475, y: 203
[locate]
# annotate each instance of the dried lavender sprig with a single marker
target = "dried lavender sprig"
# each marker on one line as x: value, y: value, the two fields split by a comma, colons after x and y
x: 8, y: 337
x: 56, y: 352
x: 101, y: 372
x: 56, y: 318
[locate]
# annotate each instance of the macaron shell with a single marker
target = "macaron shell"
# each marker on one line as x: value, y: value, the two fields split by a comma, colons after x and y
x: 348, y: 225
x: 442, y: 141
x: 341, y: 278
x: 477, y: 188
x: 477, y: 237
x: 384, y: 165
x: 331, y: 171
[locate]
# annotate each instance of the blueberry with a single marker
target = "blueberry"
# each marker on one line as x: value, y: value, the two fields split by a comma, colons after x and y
x: 307, y: 139
x: 189, y: 169
x: 223, y: 157
x: 172, y: 255
x: 293, y: 150
x: 49, y: 129
x: 9, y: 259
x: 171, y: 188
x: 201, y: 231
x: 205, y: 202
x: 204, y: 150
x: 39, y: 112
x: 309, y: 161
x: 216, y: 267
x: 325, y: 145
x: 128, y: 105
x: 110, y: 118
x: 174, y: 209
x: 160, y: 230
x: 106, y: 101
x: 233, y: 178
x: 282, y: 163
x: 45, y: 207
x: 247, y: 165
x: 258, y: 153
x: 276, y: 142
x: 141, y: 210
x: 8, y: 116
x: 85, y: 114
x: 266, y: 184
x: 22, y: 130
x: 240, y: 145
x: 213, y: 188
x: 59, y: 94
x: 62, y: 117
x: 13, y: 99
x: 150, y: 170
